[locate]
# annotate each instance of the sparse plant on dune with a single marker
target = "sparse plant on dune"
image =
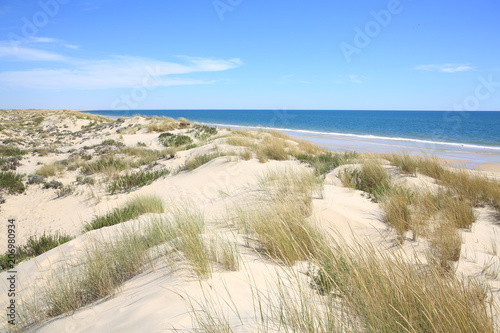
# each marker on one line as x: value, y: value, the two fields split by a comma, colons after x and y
x: 132, y: 209
x: 196, y: 161
x: 372, y: 178
x: 129, y: 181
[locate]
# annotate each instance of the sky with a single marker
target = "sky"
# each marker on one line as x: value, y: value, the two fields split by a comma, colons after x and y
x: 250, y: 54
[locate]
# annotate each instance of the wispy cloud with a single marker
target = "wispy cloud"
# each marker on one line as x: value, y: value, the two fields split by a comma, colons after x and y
x: 446, y: 68
x: 116, y: 72
x: 28, y: 54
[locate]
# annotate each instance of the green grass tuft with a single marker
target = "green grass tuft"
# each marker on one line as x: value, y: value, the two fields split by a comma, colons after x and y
x: 130, y: 181
x: 132, y: 209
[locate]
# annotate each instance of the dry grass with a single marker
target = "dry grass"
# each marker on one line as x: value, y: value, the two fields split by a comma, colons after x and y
x: 382, y: 292
x: 398, y: 213
x: 467, y: 185
x: 446, y: 244
x: 161, y: 124
x: 50, y: 170
x: 223, y: 252
x: 404, y: 162
x: 372, y: 178
x: 280, y: 225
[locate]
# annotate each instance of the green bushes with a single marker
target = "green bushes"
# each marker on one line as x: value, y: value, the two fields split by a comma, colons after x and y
x: 203, y: 132
x: 11, y: 182
x: 174, y: 140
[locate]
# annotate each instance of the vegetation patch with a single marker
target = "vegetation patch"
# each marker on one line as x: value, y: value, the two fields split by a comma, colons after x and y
x: 11, y: 182
x: 174, y: 140
x: 203, y: 132
x: 371, y: 178
x: 11, y: 151
x: 127, y: 182
x: 196, y: 161
x: 132, y: 209
x: 326, y: 162
x: 382, y: 292
x: 35, y: 246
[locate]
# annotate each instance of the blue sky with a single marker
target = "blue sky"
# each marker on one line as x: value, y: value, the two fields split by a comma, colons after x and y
x: 250, y: 54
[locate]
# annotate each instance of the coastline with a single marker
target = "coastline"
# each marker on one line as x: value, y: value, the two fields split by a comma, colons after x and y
x: 472, y: 156
x: 233, y: 174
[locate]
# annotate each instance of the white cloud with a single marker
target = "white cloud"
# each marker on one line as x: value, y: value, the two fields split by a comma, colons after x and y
x: 117, y: 72
x: 446, y: 68
x: 29, y: 54
x: 42, y: 40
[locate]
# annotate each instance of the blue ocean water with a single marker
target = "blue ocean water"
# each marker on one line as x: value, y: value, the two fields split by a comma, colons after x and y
x: 473, y: 129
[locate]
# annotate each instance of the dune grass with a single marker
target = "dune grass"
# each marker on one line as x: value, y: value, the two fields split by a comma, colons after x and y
x: 106, y: 164
x: 35, y: 246
x: 280, y: 225
x: 196, y: 161
x: 383, y: 292
x: 326, y: 162
x: 104, y: 268
x: 479, y: 189
x: 132, y: 209
x: 161, y: 124
x: 51, y: 170
x: 129, y: 181
x: 11, y: 151
x: 398, y: 213
x: 372, y: 178
x: 189, y: 226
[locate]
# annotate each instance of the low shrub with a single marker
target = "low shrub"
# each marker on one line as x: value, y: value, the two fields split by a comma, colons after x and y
x: 203, y: 132
x: 53, y: 184
x: 11, y: 182
x: 174, y: 140
x: 9, y: 163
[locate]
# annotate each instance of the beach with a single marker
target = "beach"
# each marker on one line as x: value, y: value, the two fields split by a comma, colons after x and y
x: 190, y: 186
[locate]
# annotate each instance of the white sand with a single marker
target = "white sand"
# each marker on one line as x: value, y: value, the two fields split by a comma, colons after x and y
x: 160, y: 300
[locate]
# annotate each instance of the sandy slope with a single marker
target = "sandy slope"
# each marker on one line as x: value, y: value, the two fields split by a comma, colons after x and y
x: 162, y: 300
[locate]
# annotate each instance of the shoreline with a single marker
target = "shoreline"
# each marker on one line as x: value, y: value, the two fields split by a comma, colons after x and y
x: 85, y: 174
x: 482, y: 158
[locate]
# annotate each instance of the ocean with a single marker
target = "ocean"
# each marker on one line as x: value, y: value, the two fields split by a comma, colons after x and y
x: 434, y: 132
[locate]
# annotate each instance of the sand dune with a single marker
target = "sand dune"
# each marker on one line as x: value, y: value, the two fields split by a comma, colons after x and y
x: 166, y: 297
